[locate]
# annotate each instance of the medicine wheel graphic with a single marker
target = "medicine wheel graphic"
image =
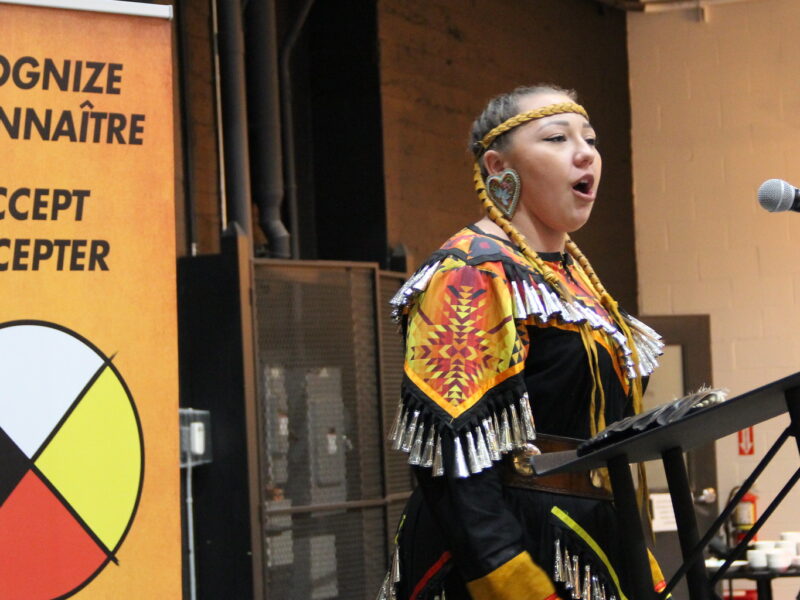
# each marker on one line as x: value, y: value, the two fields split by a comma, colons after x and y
x: 71, y: 461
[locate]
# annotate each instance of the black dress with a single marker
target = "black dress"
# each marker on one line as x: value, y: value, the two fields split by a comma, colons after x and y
x: 489, y: 348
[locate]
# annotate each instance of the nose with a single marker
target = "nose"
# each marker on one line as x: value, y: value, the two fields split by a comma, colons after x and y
x: 584, y: 154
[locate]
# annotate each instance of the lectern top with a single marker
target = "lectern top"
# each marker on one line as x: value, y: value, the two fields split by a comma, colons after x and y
x: 695, y: 429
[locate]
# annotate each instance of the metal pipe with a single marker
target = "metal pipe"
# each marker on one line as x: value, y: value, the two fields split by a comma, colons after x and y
x: 288, y: 123
x: 236, y: 159
x: 655, y: 6
x: 223, y: 199
x: 331, y: 506
x: 190, y: 528
x: 187, y: 156
x: 264, y: 111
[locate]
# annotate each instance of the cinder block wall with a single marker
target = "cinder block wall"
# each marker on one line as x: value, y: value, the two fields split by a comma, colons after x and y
x: 716, y: 111
x: 441, y: 61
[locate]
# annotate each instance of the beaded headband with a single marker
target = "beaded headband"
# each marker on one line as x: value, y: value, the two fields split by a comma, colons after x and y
x: 539, y: 113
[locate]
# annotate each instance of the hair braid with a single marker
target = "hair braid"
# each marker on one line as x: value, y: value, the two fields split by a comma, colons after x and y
x: 581, y: 259
x: 612, y: 307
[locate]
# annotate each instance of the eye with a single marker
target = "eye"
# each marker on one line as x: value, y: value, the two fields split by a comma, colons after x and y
x: 592, y: 141
x: 559, y: 137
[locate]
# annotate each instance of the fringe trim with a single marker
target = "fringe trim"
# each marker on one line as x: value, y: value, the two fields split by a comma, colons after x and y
x: 388, y: 590
x: 478, y: 446
x: 534, y: 298
x: 581, y: 579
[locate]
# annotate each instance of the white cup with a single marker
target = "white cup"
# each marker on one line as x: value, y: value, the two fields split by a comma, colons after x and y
x: 764, y: 545
x: 778, y: 560
x: 788, y: 546
x: 757, y: 559
x: 792, y: 536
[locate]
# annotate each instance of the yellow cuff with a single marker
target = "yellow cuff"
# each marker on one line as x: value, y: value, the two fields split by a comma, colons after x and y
x: 518, y: 578
x: 658, y: 577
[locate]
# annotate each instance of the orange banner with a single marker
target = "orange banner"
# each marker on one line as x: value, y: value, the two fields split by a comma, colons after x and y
x: 89, y: 476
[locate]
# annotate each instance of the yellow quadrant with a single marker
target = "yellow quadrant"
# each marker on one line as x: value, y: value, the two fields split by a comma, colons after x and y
x: 94, y: 460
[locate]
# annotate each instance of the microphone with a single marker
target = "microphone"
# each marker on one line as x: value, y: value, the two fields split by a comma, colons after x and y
x: 776, y: 195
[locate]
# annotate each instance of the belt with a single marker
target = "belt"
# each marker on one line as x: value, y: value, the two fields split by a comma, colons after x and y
x: 518, y: 472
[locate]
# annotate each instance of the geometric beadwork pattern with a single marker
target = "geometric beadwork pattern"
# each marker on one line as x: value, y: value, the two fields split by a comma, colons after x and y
x: 475, y: 246
x: 462, y: 339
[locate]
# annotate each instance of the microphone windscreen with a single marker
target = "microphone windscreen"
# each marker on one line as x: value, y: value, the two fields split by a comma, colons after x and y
x: 776, y: 195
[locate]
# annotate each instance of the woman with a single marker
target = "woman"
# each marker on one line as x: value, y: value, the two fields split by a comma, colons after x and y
x: 505, y: 325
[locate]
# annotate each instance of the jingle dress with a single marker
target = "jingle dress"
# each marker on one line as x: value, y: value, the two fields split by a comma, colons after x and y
x: 490, y: 349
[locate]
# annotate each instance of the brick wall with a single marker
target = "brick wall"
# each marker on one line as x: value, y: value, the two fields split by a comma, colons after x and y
x: 716, y: 111
x: 441, y: 61
x: 201, y: 166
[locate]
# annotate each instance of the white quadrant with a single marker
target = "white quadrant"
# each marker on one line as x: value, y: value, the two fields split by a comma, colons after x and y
x: 42, y: 371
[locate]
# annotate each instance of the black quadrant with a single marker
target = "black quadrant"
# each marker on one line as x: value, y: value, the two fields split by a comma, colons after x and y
x: 13, y: 466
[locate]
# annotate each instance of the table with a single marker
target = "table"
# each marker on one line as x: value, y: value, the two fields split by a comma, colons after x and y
x: 763, y: 578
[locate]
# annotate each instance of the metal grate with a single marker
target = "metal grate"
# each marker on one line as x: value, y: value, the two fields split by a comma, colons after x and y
x: 324, y: 554
x: 326, y: 369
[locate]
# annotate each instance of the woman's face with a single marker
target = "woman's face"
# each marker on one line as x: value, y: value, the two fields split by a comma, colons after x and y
x: 558, y: 164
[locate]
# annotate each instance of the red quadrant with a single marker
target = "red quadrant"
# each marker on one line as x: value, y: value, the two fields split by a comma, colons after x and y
x: 44, y: 552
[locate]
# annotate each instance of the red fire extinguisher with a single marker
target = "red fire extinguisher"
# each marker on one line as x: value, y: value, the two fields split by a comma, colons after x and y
x: 744, y: 516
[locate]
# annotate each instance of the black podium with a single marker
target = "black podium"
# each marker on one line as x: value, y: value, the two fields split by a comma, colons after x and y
x: 668, y: 443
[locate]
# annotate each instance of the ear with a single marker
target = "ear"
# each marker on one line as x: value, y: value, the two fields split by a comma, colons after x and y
x: 494, y: 162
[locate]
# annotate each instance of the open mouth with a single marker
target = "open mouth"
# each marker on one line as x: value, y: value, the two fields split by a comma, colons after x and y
x: 584, y: 185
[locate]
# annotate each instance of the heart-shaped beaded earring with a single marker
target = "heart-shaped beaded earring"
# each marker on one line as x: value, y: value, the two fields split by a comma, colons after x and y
x: 503, y: 190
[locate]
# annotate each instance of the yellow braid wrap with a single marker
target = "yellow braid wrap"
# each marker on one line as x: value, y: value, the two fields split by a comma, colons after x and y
x: 539, y: 113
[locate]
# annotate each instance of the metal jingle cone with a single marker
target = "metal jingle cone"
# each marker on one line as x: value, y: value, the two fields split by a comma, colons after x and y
x: 491, y: 440
x: 427, y: 454
x: 597, y: 590
x: 574, y: 313
x: 527, y: 417
x: 534, y: 301
x: 558, y: 571
x: 519, y: 305
x: 383, y: 592
x: 516, y: 428
x: 397, y: 420
x: 396, y: 565
x: 462, y: 470
x: 586, y: 592
x: 408, y: 440
x: 415, y: 457
x: 438, y: 461
x: 569, y: 580
x: 557, y: 303
x: 505, y: 433
x: 547, y: 302
x: 483, y: 450
x: 576, y: 578
x: 423, y: 281
x: 472, y: 454
x: 398, y: 440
